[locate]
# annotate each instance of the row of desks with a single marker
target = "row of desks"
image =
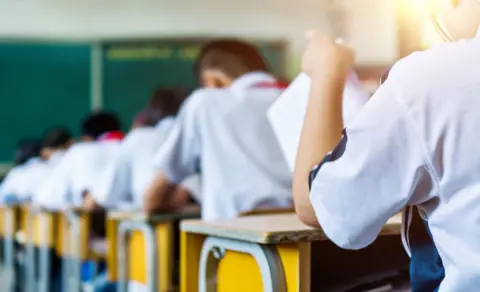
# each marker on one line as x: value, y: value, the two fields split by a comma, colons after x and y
x: 257, y: 252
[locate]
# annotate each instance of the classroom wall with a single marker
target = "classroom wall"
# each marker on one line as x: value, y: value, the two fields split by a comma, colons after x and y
x: 371, y: 23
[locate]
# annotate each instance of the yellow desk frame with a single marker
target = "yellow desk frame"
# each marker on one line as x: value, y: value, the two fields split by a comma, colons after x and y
x: 39, y: 227
x: 10, y: 215
x: 268, y: 253
x: 75, y: 228
x: 141, y: 248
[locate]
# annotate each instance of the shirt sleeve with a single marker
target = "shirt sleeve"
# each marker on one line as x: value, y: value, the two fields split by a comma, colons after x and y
x: 7, y: 187
x: 115, y: 186
x: 378, y: 166
x: 179, y: 156
x: 56, y: 192
x: 194, y: 185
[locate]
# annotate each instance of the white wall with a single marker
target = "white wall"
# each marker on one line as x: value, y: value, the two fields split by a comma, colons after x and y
x: 371, y: 25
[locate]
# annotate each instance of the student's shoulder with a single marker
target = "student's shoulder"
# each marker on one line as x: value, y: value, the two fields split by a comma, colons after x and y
x: 201, y: 98
x: 137, y: 136
x: 437, y: 68
x: 81, y: 149
x: 15, y: 171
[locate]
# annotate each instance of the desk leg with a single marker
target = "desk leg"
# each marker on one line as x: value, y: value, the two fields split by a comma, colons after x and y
x: 9, y: 248
x: 31, y: 278
x: 44, y: 263
x: 150, y: 241
x: 72, y: 261
x: 271, y: 269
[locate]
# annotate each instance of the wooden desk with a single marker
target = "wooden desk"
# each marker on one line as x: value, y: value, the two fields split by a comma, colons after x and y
x: 255, y: 253
x: 145, y: 244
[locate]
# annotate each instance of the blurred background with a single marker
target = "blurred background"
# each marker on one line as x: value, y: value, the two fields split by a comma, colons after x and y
x: 61, y: 59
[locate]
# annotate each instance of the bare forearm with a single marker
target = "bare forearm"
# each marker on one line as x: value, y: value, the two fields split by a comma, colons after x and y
x: 156, y: 196
x: 321, y: 132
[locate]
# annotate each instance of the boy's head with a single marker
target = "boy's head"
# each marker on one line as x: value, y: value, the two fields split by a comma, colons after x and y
x: 164, y: 102
x: 26, y: 149
x: 54, y: 140
x: 96, y: 124
x: 457, y: 19
x: 222, y: 61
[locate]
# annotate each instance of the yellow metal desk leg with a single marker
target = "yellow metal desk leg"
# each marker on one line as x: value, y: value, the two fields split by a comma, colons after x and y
x: 230, y: 266
x: 190, y: 250
x: 148, y: 252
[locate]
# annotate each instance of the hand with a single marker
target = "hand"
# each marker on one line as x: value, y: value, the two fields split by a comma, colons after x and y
x: 325, y: 56
x: 89, y: 203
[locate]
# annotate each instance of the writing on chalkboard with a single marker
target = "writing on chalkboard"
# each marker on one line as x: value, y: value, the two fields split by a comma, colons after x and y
x: 139, y: 53
x: 188, y: 52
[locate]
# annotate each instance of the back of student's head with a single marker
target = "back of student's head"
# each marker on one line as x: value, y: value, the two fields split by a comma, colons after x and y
x: 96, y: 124
x: 225, y: 60
x: 57, y: 138
x: 26, y: 149
x: 163, y: 103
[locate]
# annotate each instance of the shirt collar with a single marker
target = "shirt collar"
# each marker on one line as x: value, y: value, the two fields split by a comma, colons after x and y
x: 250, y: 79
x: 478, y: 33
x: 165, y: 123
x: 111, y: 136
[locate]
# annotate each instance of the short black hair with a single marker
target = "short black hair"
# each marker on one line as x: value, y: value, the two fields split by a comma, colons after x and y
x: 164, y: 102
x: 26, y: 149
x: 56, y: 138
x: 99, y: 123
x: 230, y: 56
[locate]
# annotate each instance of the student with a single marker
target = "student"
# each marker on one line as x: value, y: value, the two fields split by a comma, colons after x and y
x: 413, y: 143
x: 132, y: 172
x: 223, y: 133
x: 83, y: 163
x: 22, y: 179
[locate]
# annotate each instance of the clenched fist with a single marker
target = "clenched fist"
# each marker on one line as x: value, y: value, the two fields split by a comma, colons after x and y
x: 324, y: 55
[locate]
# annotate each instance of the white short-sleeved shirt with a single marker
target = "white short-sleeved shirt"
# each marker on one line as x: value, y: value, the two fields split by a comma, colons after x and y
x: 414, y: 143
x: 80, y: 168
x: 224, y: 134
x: 23, y: 180
x: 133, y: 170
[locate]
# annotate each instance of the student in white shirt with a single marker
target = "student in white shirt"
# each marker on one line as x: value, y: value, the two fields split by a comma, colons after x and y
x: 83, y: 164
x: 20, y: 180
x: 222, y: 132
x: 414, y: 143
x: 126, y: 180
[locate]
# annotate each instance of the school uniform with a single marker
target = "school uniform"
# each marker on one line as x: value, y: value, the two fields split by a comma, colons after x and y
x: 22, y: 180
x: 128, y: 177
x: 426, y: 268
x: 80, y: 168
x: 414, y: 143
x: 224, y: 134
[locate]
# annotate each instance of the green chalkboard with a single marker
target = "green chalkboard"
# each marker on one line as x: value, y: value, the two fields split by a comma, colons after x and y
x: 131, y: 71
x: 41, y: 85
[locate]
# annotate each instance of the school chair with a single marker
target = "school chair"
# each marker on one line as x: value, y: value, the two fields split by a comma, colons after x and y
x: 40, y: 230
x: 142, y: 248
x: 10, y: 225
x: 271, y: 253
x: 79, y: 228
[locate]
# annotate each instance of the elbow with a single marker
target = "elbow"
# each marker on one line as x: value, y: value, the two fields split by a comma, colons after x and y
x: 303, y: 205
x: 306, y: 217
